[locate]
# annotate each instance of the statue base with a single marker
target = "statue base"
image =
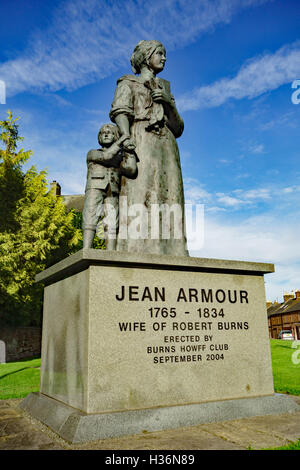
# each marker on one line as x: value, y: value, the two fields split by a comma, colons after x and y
x: 77, y: 427
x: 151, y: 339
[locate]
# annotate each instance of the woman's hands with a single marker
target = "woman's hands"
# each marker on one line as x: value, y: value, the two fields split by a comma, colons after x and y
x: 174, y: 121
x: 160, y: 96
x: 128, y: 143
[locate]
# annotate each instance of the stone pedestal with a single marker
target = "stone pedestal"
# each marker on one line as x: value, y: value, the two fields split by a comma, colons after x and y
x: 125, y: 333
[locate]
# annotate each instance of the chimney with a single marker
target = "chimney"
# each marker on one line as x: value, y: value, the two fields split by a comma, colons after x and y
x: 297, y: 294
x: 269, y: 303
x: 288, y: 296
x: 55, y: 188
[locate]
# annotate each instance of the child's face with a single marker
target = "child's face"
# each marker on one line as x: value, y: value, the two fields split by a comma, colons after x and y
x: 107, y: 136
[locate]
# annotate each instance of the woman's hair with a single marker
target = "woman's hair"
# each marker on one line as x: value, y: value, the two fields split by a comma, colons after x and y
x: 142, y: 53
x: 113, y: 128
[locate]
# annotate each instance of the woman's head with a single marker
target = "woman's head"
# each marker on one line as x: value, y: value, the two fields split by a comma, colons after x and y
x: 150, y: 53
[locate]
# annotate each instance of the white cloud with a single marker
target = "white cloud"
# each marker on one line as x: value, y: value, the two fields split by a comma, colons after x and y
x: 287, y: 120
x: 242, y: 175
x: 270, y: 237
x: 261, y: 239
x: 257, y: 76
x: 241, y: 197
x: 257, y: 148
x: 89, y: 39
x: 194, y: 192
x: 214, y: 209
x: 254, y: 194
x: 228, y: 200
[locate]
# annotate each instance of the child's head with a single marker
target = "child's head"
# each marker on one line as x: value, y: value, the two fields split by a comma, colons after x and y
x: 108, y: 134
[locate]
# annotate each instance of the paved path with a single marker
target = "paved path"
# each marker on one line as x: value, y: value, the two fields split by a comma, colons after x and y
x: 18, y: 431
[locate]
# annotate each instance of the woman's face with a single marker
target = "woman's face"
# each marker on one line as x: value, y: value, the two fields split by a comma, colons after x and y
x: 158, y: 59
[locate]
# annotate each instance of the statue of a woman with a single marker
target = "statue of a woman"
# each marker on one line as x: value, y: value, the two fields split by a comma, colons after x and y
x: 145, y: 111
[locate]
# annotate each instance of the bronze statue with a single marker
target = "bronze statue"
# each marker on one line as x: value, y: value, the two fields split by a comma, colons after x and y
x: 145, y: 113
x: 105, y: 168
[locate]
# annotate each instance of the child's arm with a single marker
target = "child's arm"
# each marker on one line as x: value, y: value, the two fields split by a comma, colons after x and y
x: 106, y: 155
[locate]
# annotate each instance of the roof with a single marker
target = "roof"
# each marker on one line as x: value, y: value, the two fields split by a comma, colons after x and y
x: 273, y: 309
x: 291, y: 305
x: 75, y: 202
x: 294, y: 306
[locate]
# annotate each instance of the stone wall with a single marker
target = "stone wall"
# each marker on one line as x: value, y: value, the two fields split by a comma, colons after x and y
x: 19, y: 343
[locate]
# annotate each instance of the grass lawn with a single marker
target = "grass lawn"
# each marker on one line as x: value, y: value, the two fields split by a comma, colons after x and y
x: 293, y: 446
x: 286, y: 374
x: 17, y: 379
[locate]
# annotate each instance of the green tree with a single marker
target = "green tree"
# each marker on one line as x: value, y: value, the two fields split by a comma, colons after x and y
x: 35, y: 231
x: 98, y: 243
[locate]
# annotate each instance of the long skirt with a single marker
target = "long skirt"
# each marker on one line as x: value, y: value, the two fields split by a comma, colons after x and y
x: 152, y: 205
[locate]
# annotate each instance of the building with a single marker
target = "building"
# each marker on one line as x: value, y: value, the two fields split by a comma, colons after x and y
x: 75, y: 202
x: 285, y: 315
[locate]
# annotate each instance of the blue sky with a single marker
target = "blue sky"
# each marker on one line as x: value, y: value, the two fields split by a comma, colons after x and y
x: 231, y: 64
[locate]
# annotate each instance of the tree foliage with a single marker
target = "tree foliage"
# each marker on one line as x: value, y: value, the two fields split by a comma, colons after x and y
x: 99, y: 239
x: 35, y: 230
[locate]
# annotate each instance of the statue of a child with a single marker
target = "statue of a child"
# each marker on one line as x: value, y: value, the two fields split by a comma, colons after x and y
x: 105, y: 168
